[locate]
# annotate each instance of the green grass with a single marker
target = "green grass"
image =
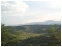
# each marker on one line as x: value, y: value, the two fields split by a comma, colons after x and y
x: 24, y: 35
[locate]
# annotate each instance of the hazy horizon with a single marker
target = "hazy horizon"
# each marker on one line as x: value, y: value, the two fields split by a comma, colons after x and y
x: 22, y: 12
x: 26, y: 23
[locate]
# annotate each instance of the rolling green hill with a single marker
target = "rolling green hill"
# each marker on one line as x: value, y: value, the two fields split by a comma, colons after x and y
x: 32, y: 35
x: 33, y: 28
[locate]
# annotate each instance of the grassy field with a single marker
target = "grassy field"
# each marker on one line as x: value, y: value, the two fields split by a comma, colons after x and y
x: 24, y: 35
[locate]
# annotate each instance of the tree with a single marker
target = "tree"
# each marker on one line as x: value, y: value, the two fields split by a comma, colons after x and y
x: 55, y: 34
x: 4, y: 35
x: 7, y: 38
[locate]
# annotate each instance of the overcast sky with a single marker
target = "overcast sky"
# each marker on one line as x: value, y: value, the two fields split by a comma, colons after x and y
x: 18, y: 12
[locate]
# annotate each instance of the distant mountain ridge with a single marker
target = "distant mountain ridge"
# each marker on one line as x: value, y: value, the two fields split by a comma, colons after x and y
x: 49, y: 22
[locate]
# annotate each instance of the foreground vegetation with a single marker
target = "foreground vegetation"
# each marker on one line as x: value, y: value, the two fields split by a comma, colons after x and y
x: 30, y: 35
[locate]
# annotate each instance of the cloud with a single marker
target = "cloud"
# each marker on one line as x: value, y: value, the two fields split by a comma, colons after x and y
x: 7, y: 11
x: 4, y: 11
x: 43, y: 16
x: 16, y: 6
x: 22, y: 17
x: 55, y: 4
x: 14, y: 11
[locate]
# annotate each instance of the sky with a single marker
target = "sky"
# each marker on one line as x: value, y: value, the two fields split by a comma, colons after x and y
x: 22, y: 12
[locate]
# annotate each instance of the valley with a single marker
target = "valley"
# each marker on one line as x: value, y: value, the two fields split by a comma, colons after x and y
x: 27, y: 35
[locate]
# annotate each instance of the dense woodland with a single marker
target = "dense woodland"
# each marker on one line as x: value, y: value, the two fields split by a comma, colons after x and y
x: 31, y: 35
